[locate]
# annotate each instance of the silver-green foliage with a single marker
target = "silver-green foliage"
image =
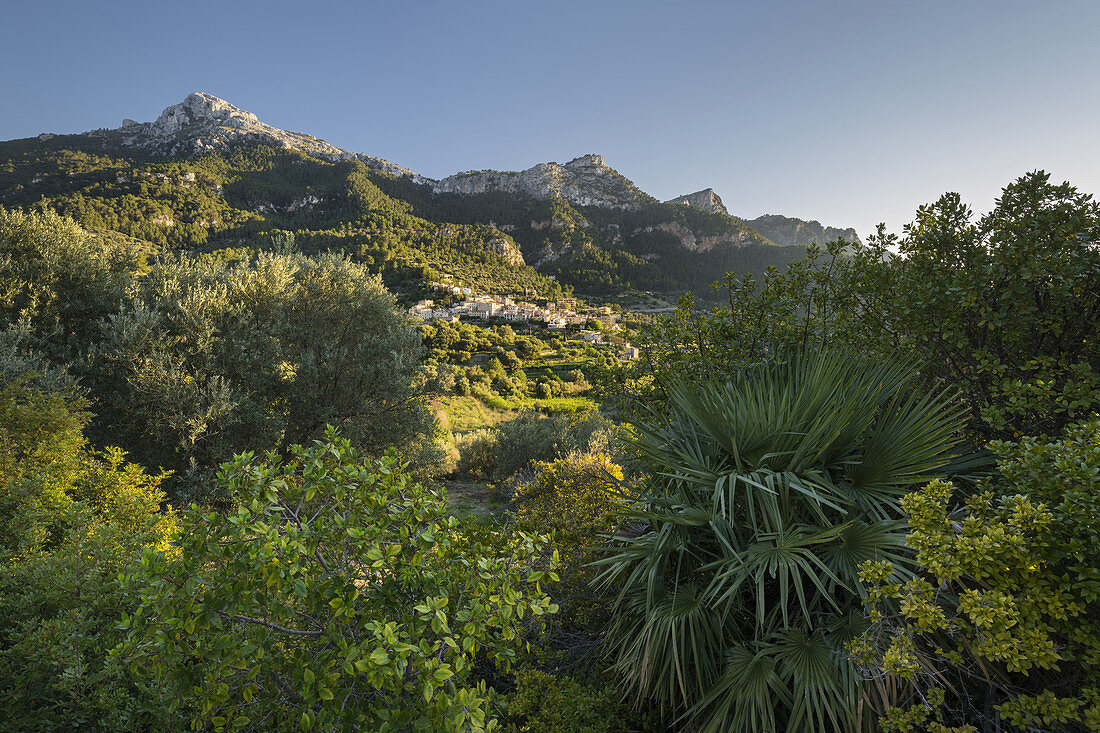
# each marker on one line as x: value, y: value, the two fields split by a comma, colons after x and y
x: 207, y: 359
x: 57, y: 281
x: 738, y: 565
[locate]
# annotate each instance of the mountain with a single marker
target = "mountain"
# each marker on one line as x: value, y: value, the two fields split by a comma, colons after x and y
x: 203, y: 123
x: 583, y: 181
x: 784, y: 230
x: 208, y: 175
x: 705, y: 200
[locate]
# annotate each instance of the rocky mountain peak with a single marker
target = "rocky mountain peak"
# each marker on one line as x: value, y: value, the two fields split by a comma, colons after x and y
x: 203, y: 109
x: 203, y: 122
x: 583, y: 181
x: 592, y: 160
x: 785, y: 230
x: 706, y: 200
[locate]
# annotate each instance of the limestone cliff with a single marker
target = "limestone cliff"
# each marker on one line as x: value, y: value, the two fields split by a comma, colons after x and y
x: 705, y: 200
x: 583, y: 181
x: 784, y: 230
x: 693, y: 242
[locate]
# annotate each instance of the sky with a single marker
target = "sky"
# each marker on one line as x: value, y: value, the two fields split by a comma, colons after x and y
x: 851, y: 113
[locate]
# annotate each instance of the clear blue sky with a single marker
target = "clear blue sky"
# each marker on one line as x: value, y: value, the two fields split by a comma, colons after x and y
x: 847, y: 112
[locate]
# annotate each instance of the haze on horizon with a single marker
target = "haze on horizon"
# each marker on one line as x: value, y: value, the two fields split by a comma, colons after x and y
x: 850, y: 113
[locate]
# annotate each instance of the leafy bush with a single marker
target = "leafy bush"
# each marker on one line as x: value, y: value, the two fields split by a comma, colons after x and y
x: 513, y: 446
x: 544, y: 703
x: 497, y: 403
x: 1006, y: 616
x: 573, y: 499
x: 1005, y: 307
x: 58, y: 280
x: 338, y: 594
x: 208, y: 359
x: 533, y: 437
x: 70, y: 522
x: 476, y: 451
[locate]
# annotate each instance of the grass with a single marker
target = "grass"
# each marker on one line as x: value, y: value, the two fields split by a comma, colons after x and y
x: 474, y: 501
x: 564, y: 404
x: 461, y: 415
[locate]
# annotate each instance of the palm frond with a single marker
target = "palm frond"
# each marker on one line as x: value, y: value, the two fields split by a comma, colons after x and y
x: 765, y: 494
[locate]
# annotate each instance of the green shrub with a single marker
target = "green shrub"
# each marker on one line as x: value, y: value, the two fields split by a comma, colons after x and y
x: 1006, y: 615
x: 475, y: 454
x: 544, y: 703
x: 207, y: 359
x: 497, y: 403
x: 533, y: 437
x: 70, y: 522
x: 339, y: 595
x: 573, y: 499
x: 59, y: 280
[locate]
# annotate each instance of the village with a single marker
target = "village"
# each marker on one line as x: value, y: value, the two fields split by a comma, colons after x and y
x: 557, y: 315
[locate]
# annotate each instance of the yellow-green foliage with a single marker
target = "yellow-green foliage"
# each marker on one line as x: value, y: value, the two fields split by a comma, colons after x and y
x: 515, y: 446
x: 72, y: 521
x: 572, y: 497
x: 544, y: 703
x: 924, y: 715
x: 58, y: 281
x: 573, y: 500
x: 1010, y: 602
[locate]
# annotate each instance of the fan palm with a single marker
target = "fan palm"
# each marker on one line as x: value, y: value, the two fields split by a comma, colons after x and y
x: 766, y: 493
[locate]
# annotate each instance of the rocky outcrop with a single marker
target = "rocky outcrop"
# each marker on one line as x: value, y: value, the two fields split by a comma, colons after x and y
x: 786, y: 231
x: 705, y: 200
x: 583, y: 181
x: 692, y: 242
x: 305, y: 202
x: 506, y: 247
x: 203, y: 122
x: 391, y: 168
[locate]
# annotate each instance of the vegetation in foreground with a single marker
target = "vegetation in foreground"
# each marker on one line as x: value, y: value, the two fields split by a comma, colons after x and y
x: 776, y: 535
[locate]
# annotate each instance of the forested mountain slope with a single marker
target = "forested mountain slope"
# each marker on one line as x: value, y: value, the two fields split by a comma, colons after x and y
x: 207, y: 174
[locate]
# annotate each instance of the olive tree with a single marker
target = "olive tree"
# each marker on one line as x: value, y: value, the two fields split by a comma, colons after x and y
x: 208, y: 359
x: 57, y: 281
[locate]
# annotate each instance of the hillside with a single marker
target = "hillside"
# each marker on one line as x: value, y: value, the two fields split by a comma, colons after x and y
x: 206, y: 174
